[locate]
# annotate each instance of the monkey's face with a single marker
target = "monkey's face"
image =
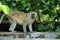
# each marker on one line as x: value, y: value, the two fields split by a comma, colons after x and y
x: 33, y: 15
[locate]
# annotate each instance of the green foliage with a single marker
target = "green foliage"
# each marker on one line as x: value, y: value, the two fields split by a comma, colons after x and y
x: 48, y: 27
x: 58, y: 29
x: 42, y: 27
x: 4, y: 8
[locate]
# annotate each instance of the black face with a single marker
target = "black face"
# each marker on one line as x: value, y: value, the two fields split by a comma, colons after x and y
x: 32, y: 16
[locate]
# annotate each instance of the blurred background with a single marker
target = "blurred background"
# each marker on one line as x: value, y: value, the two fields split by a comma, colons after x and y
x: 48, y: 12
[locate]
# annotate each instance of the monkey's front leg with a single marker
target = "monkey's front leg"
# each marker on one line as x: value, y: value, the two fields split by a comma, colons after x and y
x: 24, y: 29
x: 27, y: 35
x: 30, y: 28
x: 12, y: 26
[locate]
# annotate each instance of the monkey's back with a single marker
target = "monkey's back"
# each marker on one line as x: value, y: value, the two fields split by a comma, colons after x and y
x: 21, y: 17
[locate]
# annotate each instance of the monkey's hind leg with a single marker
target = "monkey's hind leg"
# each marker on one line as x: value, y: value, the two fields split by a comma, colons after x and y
x: 12, y: 26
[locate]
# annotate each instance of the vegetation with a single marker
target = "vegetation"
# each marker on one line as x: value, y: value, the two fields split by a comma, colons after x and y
x: 48, y: 12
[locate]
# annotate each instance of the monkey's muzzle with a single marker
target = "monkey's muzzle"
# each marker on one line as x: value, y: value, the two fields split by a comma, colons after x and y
x: 32, y: 16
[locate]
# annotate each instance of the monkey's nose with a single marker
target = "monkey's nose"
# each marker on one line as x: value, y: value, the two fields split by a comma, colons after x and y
x: 32, y: 17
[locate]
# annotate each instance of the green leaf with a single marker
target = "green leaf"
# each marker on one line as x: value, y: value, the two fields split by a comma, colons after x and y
x: 44, y: 17
x: 0, y: 6
x: 58, y: 29
x: 5, y: 9
x: 42, y: 27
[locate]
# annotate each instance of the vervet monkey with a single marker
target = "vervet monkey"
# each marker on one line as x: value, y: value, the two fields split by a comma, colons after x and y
x: 22, y: 19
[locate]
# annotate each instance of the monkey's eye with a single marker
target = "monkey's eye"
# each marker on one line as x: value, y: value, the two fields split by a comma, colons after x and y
x: 32, y: 16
